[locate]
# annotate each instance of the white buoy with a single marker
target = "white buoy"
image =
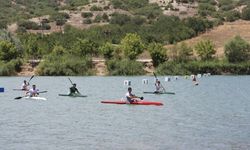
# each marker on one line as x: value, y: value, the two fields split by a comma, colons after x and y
x: 127, y: 82
x: 198, y: 75
x: 144, y: 81
x: 208, y: 74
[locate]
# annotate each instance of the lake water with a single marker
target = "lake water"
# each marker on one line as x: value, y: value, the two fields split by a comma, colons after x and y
x: 215, y: 115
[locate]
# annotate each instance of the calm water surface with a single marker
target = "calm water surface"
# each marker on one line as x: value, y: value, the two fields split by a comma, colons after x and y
x: 214, y: 115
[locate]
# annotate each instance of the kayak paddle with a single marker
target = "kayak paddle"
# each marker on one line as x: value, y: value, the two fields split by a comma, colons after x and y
x: 19, y: 97
x: 42, y: 92
x: 30, y: 79
x: 155, y: 75
x: 70, y: 81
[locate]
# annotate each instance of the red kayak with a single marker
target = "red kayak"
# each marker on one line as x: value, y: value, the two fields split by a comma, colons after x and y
x: 134, y: 103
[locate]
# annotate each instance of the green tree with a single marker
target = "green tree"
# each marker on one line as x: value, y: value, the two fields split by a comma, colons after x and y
x: 98, y: 19
x: 129, y: 4
x: 60, y: 21
x: 32, y: 50
x: 157, y: 53
x: 124, y: 67
x: 184, y: 52
x: 105, y: 17
x: 3, y: 24
x: 206, y: 9
x: 8, y: 51
x: 58, y: 65
x: 232, y: 15
x: 237, y: 50
x: 7, y: 36
x: 28, y: 25
x: 173, y: 53
x: 83, y: 47
x: 198, y: 24
x: 60, y: 18
x: 59, y: 50
x: 87, y: 14
x: 246, y: 13
x: 107, y: 50
x: 137, y: 20
x: 205, y: 49
x: 132, y: 45
x: 120, y: 19
x: 96, y: 8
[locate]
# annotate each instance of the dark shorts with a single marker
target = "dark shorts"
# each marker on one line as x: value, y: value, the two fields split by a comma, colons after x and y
x: 130, y: 100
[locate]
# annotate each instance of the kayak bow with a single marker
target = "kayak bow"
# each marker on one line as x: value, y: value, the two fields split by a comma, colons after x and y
x: 35, y: 98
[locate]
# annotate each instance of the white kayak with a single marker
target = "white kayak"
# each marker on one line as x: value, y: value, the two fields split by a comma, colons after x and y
x: 35, y: 98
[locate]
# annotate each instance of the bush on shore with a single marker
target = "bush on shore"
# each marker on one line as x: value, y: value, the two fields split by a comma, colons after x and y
x: 67, y: 65
x: 10, y: 68
x: 124, y: 67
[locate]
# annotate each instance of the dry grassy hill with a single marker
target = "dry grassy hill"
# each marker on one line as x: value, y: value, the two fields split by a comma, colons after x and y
x: 222, y: 34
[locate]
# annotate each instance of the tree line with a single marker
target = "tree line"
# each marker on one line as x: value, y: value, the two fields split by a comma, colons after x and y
x: 123, y: 39
x: 76, y: 59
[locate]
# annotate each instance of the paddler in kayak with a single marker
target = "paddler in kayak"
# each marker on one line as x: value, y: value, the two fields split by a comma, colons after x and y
x: 73, y: 90
x: 158, y: 87
x: 25, y: 86
x: 33, y: 92
x: 195, y: 82
x: 131, y: 97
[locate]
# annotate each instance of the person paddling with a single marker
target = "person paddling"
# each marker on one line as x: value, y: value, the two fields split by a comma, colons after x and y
x: 73, y: 90
x: 195, y: 80
x: 25, y: 86
x: 33, y: 92
x: 131, y: 97
x: 159, y: 88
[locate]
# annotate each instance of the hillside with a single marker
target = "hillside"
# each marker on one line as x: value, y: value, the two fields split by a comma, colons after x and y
x: 219, y: 35
x: 76, y: 19
x: 222, y: 34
